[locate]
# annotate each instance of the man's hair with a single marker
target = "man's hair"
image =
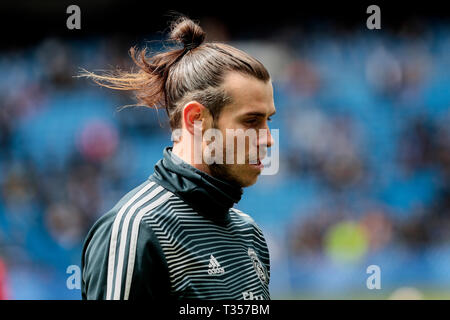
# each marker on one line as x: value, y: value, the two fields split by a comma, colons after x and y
x: 195, y: 72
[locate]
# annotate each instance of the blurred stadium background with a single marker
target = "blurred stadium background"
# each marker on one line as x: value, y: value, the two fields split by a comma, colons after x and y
x: 364, y: 143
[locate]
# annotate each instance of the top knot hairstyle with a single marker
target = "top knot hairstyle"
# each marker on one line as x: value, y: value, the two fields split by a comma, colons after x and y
x: 194, y: 72
x: 187, y: 32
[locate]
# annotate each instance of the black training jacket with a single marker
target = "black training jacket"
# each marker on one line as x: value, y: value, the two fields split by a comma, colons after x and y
x: 176, y: 236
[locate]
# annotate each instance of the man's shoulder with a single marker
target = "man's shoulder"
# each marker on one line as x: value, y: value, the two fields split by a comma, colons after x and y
x: 134, y: 204
x: 119, y: 239
x: 243, y: 216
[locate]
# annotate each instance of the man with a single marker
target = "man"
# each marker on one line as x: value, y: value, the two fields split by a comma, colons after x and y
x: 177, y: 234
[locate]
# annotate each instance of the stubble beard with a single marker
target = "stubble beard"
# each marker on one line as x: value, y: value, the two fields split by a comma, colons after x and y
x: 224, y: 171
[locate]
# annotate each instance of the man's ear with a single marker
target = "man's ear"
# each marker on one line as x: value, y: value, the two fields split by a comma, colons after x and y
x: 193, y: 111
x: 207, y: 120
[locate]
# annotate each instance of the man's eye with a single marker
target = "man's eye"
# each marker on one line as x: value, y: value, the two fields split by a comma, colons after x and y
x: 269, y: 119
x: 250, y: 121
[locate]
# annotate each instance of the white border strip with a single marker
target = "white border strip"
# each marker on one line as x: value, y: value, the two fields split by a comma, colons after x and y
x: 134, y: 237
x: 114, y: 235
x: 123, y: 239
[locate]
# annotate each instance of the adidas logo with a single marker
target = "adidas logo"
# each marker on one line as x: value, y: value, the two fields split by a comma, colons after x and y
x: 214, y: 266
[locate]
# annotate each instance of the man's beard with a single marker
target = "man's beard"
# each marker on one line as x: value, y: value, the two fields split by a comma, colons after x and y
x: 222, y: 172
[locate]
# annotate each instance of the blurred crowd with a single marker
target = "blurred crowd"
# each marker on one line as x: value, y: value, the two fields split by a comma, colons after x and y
x: 364, y: 155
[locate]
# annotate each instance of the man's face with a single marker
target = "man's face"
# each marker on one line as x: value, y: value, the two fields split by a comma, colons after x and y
x: 250, y: 110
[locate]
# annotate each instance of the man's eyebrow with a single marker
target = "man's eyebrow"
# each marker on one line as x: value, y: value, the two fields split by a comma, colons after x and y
x: 258, y: 114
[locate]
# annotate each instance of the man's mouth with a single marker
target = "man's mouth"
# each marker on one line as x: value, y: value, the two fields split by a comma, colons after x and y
x: 258, y: 164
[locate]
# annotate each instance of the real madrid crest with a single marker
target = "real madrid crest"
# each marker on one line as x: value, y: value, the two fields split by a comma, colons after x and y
x: 259, y: 268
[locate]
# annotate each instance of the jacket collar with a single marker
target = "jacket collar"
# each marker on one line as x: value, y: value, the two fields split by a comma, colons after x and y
x: 209, y: 196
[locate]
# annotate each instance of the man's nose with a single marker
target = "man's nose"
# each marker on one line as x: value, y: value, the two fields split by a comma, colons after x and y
x: 269, y: 139
x: 265, y: 138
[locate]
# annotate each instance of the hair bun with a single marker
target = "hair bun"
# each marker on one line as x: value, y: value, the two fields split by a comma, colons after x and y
x: 187, y: 32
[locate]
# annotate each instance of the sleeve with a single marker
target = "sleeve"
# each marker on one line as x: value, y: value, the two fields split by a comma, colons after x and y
x: 139, y: 270
x: 150, y: 277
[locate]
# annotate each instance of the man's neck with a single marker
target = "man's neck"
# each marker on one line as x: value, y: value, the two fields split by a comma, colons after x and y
x: 187, y: 155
